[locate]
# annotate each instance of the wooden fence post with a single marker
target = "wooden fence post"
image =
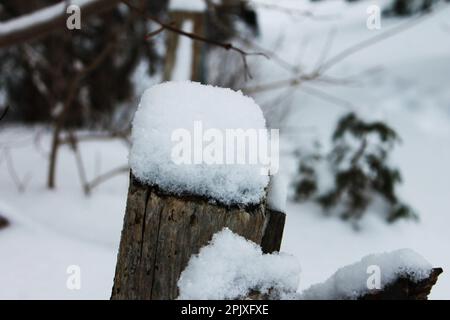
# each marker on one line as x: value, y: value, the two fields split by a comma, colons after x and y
x: 162, y: 231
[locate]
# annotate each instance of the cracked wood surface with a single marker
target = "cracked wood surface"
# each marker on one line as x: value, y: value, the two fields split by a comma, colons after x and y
x: 162, y: 231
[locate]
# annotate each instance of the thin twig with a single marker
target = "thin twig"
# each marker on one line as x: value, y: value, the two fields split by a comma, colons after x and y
x: 71, y: 95
x: 273, y: 56
x: 108, y: 175
x: 80, y: 164
x: 372, y: 41
x: 97, y: 136
x: 154, y: 33
x: 318, y: 72
x: 326, y: 49
x: 19, y: 183
x: 280, y: 84
x: 4, y: 113
x: 327, y: 97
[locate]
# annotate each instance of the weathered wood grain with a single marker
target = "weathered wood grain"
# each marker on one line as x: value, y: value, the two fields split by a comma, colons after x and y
x: 273, y: 233
x: 162, y: 231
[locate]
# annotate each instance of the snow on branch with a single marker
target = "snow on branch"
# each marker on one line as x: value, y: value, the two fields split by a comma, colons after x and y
x: 40, y: 22
x: 4, y: 112
x: 351, y: 282
x: 231, y: 267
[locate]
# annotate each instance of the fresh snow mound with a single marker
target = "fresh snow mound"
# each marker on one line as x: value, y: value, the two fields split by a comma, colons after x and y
x: 350, y: 282
x: 183, y: 105
x: 231, y: 266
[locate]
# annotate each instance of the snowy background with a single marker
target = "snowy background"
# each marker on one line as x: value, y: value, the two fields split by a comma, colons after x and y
x: 405, y: 83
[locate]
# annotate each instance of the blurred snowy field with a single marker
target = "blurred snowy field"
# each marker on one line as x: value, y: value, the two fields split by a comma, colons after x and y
x: 406, y: 85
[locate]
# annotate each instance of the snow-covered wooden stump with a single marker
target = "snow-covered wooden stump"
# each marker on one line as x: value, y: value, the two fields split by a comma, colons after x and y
x: 162, y: 231
x: 175, y: 207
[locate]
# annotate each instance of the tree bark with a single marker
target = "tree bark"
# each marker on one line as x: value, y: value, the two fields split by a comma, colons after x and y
x: 162, y: 231
x: 406, y: 289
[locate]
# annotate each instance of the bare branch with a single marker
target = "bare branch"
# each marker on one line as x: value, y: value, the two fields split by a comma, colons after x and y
x: 99, y: 136
x: 108, y: 175
x: 271, y: 55
x: 224, y: 45
x: 72, y: 91
x: 372, y: 41
x: 79, y: 160
x: 326, y: 49
x: 281, y: 83
x: 18, y: 182
x: 327, y: 97
x: 319, y: 71
x: 154, y: 33
x: 4, y: 113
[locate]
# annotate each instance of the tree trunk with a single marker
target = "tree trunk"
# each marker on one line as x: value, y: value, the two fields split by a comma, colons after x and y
x: 162, y: 231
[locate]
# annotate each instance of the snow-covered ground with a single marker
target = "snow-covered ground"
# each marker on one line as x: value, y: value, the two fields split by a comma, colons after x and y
x: 409, y: 91
x: 52, y: 230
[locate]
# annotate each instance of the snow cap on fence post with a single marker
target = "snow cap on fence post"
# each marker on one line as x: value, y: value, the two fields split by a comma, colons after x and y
x: 195, y: 139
